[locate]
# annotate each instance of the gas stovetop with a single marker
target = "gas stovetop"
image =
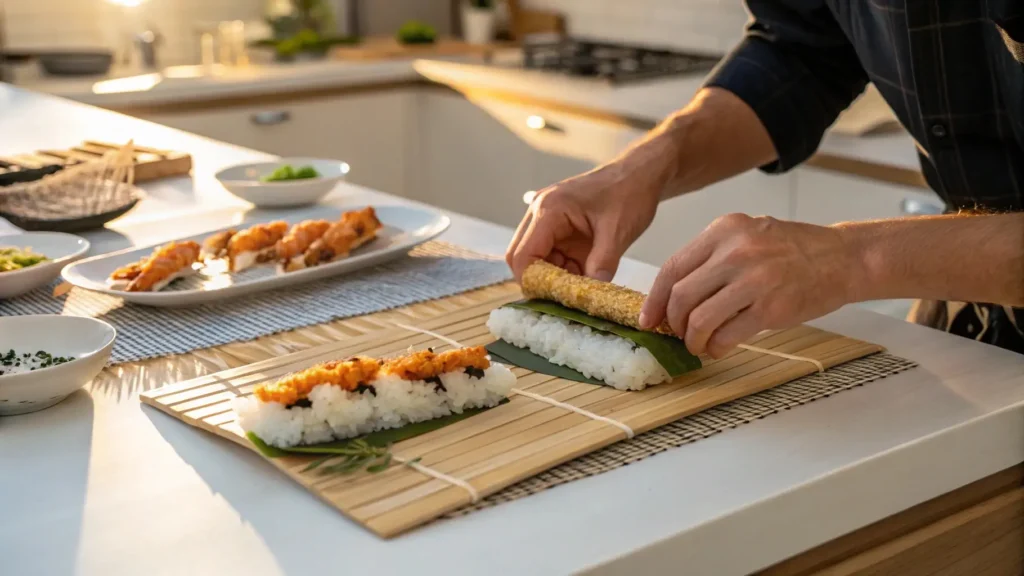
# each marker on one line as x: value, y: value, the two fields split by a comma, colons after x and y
x: 615, y: 63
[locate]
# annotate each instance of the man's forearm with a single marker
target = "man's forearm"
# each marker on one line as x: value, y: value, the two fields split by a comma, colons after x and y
x: 969, y: 258
x: 715, y: 137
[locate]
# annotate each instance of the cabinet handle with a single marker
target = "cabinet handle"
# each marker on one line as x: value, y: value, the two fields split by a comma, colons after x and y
x: 270, y: 117
x: 535, y: 122
x: 912, y: 207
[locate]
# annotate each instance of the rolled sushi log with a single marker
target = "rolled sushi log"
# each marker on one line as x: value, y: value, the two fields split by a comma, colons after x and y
x: 605, y: 300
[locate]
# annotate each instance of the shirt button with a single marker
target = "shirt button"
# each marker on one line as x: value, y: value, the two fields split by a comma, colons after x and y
x: 939, y: 130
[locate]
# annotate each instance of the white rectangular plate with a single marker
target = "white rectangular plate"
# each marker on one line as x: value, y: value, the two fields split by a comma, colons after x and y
x: 404, y: 228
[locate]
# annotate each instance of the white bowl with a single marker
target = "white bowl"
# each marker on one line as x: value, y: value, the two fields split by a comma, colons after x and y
x: 61, y: 249
x: 89, y: 341
x: 245, y: 182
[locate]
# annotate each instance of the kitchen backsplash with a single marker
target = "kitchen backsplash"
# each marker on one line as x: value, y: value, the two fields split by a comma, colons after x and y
x: 699, y: 25
x: 46, y: 24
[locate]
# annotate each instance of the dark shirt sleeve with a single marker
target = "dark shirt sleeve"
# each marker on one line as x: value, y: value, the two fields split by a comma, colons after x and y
x: 797, y: 70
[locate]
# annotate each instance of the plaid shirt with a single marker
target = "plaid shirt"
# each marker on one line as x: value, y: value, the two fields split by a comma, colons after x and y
x: 952, y: 71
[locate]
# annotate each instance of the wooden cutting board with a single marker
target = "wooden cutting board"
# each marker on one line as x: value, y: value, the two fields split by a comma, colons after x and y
x: 387, y: 48
x: 150, y: 163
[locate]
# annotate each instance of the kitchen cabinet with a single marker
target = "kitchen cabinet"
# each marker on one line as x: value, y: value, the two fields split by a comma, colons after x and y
x: 370, y: 131
x: 479, y: 156
x: 681, y: 219
x: 824, y: 197
x: 468, y: 162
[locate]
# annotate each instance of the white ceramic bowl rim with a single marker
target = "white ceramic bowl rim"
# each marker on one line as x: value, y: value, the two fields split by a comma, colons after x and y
x: 111, y: 336
x: 345, y: 168
x: 4, y: 242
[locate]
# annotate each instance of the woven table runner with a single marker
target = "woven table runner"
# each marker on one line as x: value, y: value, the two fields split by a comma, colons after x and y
x: 701, y: 425
x: 433, y: 270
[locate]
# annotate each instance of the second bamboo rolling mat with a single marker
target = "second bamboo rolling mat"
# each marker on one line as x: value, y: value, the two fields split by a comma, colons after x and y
x: 506, y: 444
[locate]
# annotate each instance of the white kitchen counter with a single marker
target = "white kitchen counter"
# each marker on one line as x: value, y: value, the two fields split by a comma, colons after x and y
x: 123, y: 88
x: 101, y: 485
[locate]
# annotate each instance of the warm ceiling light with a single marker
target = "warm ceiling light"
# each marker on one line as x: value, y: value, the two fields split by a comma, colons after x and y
x: 536, y: 122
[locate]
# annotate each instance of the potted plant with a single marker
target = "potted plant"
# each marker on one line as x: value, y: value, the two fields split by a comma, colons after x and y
x: 478, y: 21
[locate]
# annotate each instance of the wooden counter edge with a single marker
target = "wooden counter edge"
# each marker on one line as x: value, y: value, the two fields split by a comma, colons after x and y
x: 846, y: 165
x: 976, y: 529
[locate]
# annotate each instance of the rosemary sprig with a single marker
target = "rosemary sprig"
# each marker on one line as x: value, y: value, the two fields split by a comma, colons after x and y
x: 357, y: 455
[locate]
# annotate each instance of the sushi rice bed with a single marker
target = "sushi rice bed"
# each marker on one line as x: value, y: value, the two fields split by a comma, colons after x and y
x: 337, y: 414
x: 615, y: 361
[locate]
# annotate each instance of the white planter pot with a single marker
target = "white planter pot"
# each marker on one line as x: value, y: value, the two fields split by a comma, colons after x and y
x: 477, y: 24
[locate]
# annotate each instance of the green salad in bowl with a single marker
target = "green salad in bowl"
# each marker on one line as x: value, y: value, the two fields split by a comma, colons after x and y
x: 13, y: 258
x: 289, y: 172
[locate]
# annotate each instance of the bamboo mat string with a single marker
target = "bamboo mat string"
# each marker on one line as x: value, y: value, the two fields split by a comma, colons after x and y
x: 817, y: 363
x: 624, y: 427
x: 426, y: 470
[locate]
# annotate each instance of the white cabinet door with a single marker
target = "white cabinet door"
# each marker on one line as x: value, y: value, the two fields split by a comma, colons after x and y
x: 469, y: 162
x: 681, y: 219
x: 372, y: 132
x: 826, y: 197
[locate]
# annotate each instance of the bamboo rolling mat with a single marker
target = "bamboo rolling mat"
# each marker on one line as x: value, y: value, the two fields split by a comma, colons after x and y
x: 506, y: 444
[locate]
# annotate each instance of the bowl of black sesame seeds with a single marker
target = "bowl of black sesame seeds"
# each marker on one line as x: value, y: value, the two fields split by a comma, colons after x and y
x: 45, y: 358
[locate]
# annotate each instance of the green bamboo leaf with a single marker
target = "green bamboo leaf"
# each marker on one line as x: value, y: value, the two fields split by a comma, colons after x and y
x: 669, y: 351
x: 380, y: 439
x: 523, y: 358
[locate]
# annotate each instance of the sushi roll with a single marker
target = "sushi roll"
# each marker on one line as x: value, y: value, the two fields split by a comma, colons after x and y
x: 355, y: 229
x: 216, y: 246
x: 291, y: 249
x: 167, y: 264
x: 599, y: 350
x: 343, y: 399
x: 254, y: 245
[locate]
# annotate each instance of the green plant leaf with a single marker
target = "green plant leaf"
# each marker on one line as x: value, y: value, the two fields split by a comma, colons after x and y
x: 355, y: 446
x: 669, y: 351
x: 502, y: 351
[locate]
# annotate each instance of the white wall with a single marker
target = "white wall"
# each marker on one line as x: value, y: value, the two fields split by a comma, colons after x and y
x: 699, y: 25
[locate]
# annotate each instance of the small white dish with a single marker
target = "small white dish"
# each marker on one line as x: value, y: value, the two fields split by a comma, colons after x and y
x: 89, y: 341
x: 61, y: 249
x: 246, y: 182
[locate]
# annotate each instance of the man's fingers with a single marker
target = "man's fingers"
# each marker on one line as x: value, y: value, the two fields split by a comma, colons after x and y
x: 556, y: 258
x: 734, y: 332
x: 679, y: 266
x: 603, y: 260
x: 518, y: 237
x: 714, y: 313
x: 689, y: 293
x: 537, y: 242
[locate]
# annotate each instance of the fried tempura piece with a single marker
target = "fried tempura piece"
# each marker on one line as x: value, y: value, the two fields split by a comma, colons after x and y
x: 600, y: 299
x: 216, y: 246
x: 253, y: 245
x: 169, y: 262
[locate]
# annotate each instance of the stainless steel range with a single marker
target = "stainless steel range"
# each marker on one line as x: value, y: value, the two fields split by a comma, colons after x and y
x: 614, y: 63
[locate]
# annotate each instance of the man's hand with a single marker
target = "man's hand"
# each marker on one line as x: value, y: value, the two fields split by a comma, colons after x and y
x: 743, y: 275
x: 586, y: 223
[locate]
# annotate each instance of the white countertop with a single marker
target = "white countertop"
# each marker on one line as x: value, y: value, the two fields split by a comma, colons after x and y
x: 101, y: 485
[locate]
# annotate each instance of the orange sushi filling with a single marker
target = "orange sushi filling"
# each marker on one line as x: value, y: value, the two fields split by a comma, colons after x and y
x: 359, y: 372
